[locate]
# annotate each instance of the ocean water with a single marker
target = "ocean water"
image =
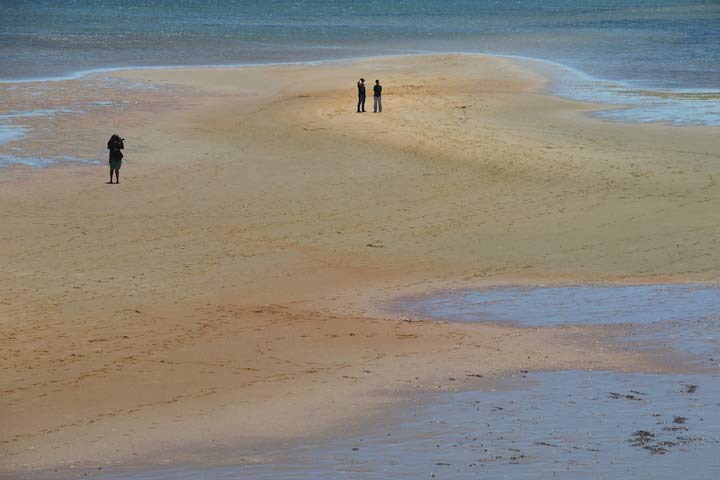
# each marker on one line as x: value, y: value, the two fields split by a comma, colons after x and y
x: 659, y: 57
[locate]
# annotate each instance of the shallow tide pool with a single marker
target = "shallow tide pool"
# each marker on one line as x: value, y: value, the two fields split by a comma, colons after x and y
x: 566, y: 425
x: 578, y: 304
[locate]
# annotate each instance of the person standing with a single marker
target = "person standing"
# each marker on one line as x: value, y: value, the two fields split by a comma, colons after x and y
x: 361, y: 95
x: 377, y: 97
x: 115, y: 145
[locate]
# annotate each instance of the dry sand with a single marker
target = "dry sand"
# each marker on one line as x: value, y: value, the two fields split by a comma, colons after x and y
x: 228, y: 293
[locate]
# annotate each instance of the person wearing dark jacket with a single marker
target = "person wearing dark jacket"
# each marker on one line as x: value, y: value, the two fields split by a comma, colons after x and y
x: 377, y: 97
x: 361, y: 95
x: 115, y: 145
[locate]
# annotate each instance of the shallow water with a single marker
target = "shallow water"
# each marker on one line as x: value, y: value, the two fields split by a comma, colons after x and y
x: 661, y: 317
x: 566, y: 425
x: 640, y: 102
x: 10, y: 133
x: 42, y: 162
x: 581, y: 305
x: 32, y: 115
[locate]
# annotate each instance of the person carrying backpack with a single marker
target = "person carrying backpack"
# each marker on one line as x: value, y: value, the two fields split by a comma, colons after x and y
x: 115, y: 145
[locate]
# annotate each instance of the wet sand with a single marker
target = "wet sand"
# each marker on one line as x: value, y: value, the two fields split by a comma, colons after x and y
x: 228, y: 293
x: 566, y: 424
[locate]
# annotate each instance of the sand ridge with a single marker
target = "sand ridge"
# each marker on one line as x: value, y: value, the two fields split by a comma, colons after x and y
x: 229, y: 292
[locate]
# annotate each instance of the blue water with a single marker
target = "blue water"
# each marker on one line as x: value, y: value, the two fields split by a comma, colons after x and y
x: 684, y: 318
x: 10, y: 133
x: 623, y: 50
x: 580, y: 305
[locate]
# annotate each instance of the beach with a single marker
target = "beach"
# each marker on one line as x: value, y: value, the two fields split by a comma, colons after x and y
x: 231, y: 292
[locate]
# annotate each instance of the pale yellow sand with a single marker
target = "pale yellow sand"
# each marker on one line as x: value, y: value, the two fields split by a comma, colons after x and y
x: 228, y: 293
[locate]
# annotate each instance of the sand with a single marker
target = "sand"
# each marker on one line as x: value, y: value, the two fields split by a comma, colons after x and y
x: 230, y: 293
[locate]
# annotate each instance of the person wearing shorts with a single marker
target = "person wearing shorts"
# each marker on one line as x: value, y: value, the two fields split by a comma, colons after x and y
x: 115, y: 145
